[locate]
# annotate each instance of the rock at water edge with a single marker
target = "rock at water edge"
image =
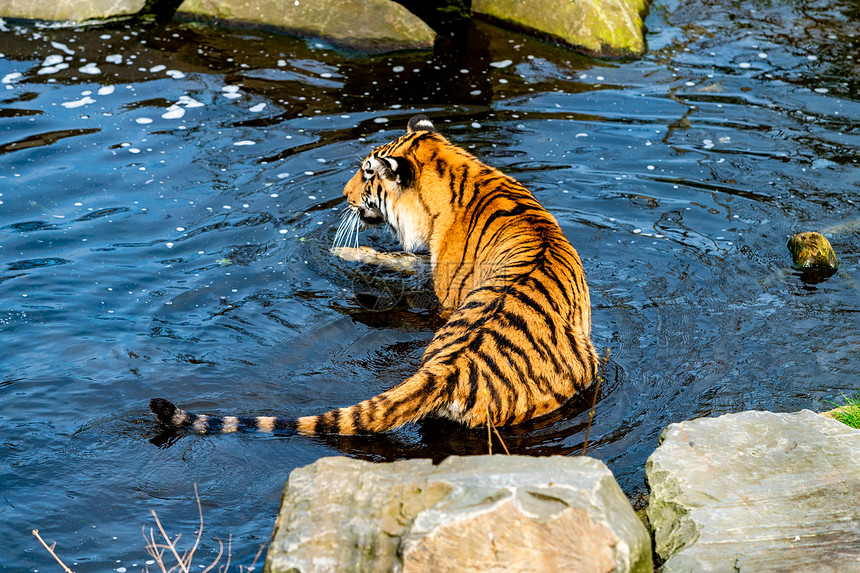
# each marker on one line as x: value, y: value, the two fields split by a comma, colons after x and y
x: 596, y: 27
x: 481, y: 513
x: 757, y: 491
x: 372, y: 26
x: 69, y: 10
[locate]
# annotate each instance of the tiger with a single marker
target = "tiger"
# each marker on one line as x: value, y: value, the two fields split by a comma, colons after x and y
x: 516, y: 344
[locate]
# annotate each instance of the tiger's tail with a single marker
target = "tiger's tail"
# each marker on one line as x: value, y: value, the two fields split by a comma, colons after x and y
x: 414, y: 398
x: 172, y: 417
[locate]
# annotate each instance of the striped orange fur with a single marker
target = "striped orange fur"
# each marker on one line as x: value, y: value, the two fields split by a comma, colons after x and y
x: 517, y: 343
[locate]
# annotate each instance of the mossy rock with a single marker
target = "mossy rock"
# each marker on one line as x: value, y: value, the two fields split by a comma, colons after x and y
x: 812, y: 252
x: 72, y: 11
x: 371, y: 26
x: 596, y: 27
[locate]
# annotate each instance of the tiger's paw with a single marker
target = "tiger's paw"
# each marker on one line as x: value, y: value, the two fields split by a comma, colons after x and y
x: 356, y: 254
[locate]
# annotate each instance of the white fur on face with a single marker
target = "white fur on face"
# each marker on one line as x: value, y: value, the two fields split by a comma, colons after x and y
x: 397, y: 213
x: 370, y: 167
x: 408, y: 232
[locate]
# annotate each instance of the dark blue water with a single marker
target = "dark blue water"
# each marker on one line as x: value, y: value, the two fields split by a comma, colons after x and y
x: 168, y: 195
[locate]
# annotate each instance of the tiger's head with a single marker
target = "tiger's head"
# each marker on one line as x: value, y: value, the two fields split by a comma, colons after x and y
x: 384, y: 189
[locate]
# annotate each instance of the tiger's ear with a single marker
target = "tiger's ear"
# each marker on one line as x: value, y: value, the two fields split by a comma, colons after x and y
x: 420, y: 123
x: 400, y: 170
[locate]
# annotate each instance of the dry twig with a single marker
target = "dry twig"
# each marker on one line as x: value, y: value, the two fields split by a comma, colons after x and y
x: 490, y: 424
x: 157, y: 550
x: 594, y: 403
x: 51, y: 550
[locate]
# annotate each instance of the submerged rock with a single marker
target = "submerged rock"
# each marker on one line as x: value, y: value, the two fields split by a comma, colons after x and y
x: 481, y: 513
x: 372, y: 26
x: 596, y: 27
x: 757, y: 491
x: 812, y: 252
x: 70, y: 10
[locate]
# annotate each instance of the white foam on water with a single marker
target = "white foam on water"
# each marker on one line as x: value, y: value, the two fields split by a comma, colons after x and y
x: 78, y: 103
x: 259, y: 107
x: 174, y: 112
x: 90, y: 68
x: 13, y: 77
x: 106, y: 90
x: 114, y: 59
x: 52, y: 60
x: 53, y: 69
x: 62, y: 47
x: 189, y: 102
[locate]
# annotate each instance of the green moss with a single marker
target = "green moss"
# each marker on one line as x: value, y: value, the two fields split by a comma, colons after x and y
x: 600, y: 27
x: 811, y: 251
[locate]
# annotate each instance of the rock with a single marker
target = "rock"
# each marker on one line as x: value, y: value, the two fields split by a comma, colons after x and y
x: 596, y: 27
x: 757, y: 491
x: 481, y: 513
x: 372, y: 26
x: 843, y: 228
x: 69, y: 10
x: 812, y: 252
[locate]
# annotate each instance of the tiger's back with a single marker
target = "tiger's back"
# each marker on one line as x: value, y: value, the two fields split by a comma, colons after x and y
x: 517, y: 342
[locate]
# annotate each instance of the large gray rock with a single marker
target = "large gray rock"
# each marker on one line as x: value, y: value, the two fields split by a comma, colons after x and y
x: 372, y: 26
x: 596, y: 27
x: 482, y: 513
x: 757, y: 491
x: 69, y: 10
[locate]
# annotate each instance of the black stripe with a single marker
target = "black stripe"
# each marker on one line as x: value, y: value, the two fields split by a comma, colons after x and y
x: 472, y: 305
x: 285, y: 424
x: 504, y: 343
x: 540, y: 347
x: 357, y: 411
x: 464, y: 175
x: 494, y: 396
x: 493, y: 367
x: 419, y: 137
x: 473, y: 387
x: 541, y: 288
x: 451, y: 381
x: 334, y: 423
x: 515, y: 212
x: 519, y: 209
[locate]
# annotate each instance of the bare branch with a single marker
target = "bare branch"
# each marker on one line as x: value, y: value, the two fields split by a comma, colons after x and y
x: 51, y: 550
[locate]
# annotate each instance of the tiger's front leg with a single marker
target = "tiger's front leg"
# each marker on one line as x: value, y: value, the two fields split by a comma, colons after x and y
x: 401, y: 261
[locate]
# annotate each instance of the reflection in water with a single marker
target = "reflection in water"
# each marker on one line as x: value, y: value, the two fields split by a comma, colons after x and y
x: 169, y: 195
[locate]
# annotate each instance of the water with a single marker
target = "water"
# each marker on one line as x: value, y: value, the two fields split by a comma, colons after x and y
x: 168, y: 198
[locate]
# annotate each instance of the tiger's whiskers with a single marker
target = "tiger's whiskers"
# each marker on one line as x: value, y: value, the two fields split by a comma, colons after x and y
x: 347, y: 230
